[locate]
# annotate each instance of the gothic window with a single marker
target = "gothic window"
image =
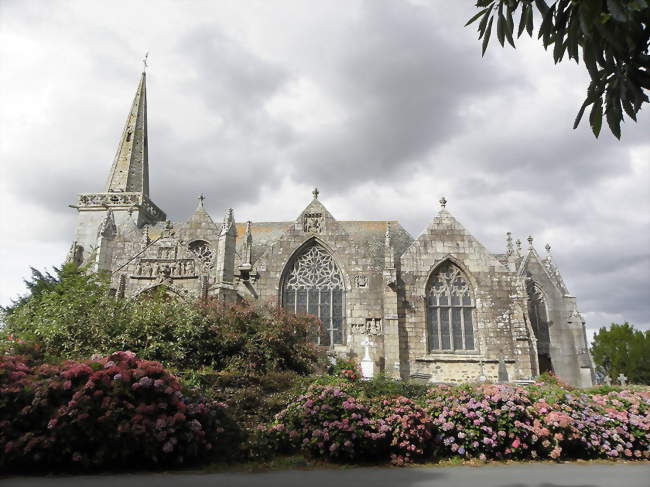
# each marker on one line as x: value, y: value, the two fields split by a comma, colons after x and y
x: 202, y: 250
x: 450, y: 310
x: 314, y: 285
x: 539, y: 321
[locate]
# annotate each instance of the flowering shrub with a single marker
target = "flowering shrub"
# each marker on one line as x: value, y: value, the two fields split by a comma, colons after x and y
x: 112, y: 411
x: 328, y: 422
x: 488, y: 422
x: 497, y: 422
x: 598, y: 426
x: 409, y: 427
x: 485, y: 421
x: 345, y: 369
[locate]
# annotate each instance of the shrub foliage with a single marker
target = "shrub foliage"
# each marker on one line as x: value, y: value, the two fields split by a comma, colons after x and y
x: 76, y: 317
x: 115, y: 411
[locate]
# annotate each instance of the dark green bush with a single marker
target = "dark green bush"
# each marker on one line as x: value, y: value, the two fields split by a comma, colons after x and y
x: 76, y: 318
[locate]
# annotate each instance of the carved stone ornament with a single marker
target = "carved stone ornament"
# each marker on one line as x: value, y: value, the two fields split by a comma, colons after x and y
x: 313, y: 222
x: 166, y: 269
x: 370, y: 326
x: 361, y: 281
x: 104, y: 200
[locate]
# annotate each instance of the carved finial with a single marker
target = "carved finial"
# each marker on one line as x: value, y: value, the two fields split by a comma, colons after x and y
x: 144, y: 62
x: 530, y: 241
x: 201, y: 199
x: 548, y: 248
x: 443, y: 202
x: 248, y: 247
x: 509, y: 247
x: 228, y: 221
x: 518, y: 244
x: 387, y: 235
x: 315, y: 193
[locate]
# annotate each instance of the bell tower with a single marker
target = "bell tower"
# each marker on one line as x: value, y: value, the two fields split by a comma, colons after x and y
x: 126, y: 195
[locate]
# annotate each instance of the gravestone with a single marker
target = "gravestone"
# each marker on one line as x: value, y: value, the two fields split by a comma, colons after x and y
x: 503, y: 371
x: 622, y: 379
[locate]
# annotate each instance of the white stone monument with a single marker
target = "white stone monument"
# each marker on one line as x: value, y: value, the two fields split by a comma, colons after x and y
x: 367, y: 364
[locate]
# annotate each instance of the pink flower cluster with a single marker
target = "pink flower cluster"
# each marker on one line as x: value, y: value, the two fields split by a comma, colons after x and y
x: 485, y: 422
x: 502, y: 421
x: 327, y: 422
x: 117, y: 410
x: 409, y: 426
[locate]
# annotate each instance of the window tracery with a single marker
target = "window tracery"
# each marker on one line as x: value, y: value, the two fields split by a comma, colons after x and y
x: 315, y: 286
x: 450, y: 310
x: 201, y: 250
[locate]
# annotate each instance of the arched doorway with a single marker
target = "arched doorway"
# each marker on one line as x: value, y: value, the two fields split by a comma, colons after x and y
x: 538, y: 314
x: 313, y: 284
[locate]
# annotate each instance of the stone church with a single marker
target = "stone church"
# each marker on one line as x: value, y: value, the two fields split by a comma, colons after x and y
x: 438, y: 307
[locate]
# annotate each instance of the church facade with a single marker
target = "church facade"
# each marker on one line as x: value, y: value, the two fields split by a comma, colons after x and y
x: 438, y: 307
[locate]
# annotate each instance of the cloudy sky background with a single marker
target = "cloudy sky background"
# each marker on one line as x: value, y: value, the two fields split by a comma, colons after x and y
x: 384, y: 105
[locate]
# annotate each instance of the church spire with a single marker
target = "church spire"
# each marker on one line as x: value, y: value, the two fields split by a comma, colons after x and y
x: 130, y: 171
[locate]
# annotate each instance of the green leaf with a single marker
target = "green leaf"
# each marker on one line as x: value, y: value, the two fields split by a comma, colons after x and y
x: 629, y: 109
x: 529, y: 20
x: 596, y: 117
x: 581, y: 112
x: 475, y: 17
x: 542, y: 6
x: 483, y: 24
x: 486, y: 37
x: 501, y: 26
x: 510, y: 27
x: 617, y: 10
x: 522, y: 21
x: 546, y: 27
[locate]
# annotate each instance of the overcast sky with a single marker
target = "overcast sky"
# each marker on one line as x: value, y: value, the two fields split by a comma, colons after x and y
x: 384, y: 105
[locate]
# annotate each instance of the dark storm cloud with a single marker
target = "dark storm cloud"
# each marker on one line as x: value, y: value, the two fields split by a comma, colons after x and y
x: 240, y: 145
x: 404, y: 84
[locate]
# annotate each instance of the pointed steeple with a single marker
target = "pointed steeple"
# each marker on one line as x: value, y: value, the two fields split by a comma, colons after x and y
x: 130, y: 171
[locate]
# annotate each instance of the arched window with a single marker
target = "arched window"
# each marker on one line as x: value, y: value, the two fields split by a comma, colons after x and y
x: 202, y: 250
x: 539, y: 321
x: 450, y: 308
x: 314, y: 285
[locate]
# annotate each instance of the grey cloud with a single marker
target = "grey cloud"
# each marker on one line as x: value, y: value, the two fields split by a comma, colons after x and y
x: 404, y: 85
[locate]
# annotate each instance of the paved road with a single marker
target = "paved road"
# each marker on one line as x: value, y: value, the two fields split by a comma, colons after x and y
x: 531, y: 475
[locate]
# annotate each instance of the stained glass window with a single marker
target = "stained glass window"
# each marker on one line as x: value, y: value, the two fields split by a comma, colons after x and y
x: 450, y: 308
x: 315, y: 286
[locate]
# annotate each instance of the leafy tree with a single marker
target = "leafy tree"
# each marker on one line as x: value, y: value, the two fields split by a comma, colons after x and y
x: 622, y: 349
x: 76, y: 317
x: 612, y: 35
x: 41, y: 282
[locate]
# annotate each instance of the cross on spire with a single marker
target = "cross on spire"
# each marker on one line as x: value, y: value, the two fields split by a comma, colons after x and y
x: 144, y: 62
x: 315, y: 193
x: 443, y: 202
